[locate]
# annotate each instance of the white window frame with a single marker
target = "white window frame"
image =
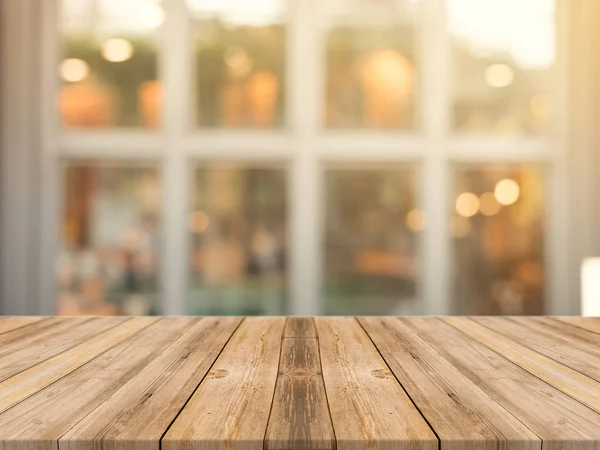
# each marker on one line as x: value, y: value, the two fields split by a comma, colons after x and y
x: 305, y: 147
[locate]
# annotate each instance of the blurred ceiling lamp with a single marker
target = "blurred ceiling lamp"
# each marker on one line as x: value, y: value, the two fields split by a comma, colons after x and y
x: 387, y: 79
x: 74, y: 70
x: 117, y: 50
x: 499, y: 75
x: 488, y: 205
x: 87, y: 105
x: 415, y: 220
x: 467, y: 204
x: 507, y: 192
x: 262, y: 90
x: 590, y: 287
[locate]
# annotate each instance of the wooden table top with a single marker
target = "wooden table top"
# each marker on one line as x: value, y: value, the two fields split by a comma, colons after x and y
x: 119, y: 383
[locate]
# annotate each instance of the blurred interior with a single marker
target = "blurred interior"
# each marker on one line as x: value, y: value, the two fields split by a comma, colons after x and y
x: 482, y: 96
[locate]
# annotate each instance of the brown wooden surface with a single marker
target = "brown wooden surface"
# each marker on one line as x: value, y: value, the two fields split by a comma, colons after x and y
x: 300, y: 413
x: 454, y: 383
x: 230, y: 409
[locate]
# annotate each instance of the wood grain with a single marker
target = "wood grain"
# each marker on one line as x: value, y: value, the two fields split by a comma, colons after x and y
x: 548, y: 342
x: 463, y: 416
x: 302, y: 327
x: 9, y: 323
x: 230, y: 409
x: 21, y: 356
x: 137, y: 415
x: 186, y: 383
x: 573, y: 335
x: 37, y: 422
x: 587, y: 323
x: 369, y: 409
x: 559, y: 420
x: 23, y: 336
x: 35, y: 378
x: 300, y: 413
x: 558, y: 375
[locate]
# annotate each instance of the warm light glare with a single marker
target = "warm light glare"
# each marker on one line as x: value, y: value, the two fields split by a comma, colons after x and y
x: 415, y: 220
x: 467, y: 204
x: 74, y: 70
x: 590, y: 287
x: 488, y: 205
x: 117, y: 50
x: 152, y: 16
x: 523, y: 29
x: 198, y: 222
x: 507, y: 192
x: 499, y: 75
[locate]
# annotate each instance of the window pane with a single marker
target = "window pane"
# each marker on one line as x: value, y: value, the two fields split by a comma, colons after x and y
x: 498, y: 232
x: 108, y: 67
x: 503, y: 73
x: 239, y: 63
x: 109, y: 256
x: 371, y: 241
x: 238, y: 228
x: 371, y: 74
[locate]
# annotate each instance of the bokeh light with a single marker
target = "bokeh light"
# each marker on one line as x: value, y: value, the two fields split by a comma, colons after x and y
x: 467, y: 204
x: 507, y: 192
x: 117, y: 50
x: 74, y: 70
x: 499, y: 75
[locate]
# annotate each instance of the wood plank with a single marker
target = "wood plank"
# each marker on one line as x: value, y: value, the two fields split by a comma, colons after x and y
x: 230, y: 409
x: 587, y: 323
x: 9, y: 323
x: 300, y: 413
x: 463, y: 416
x: 35, y: 378
x: 22, y: 337
x: 558, y: 375
x: 16, y: 358
x: 302, y: 327
x: 39, y: 421
x: 369, y: 409
x: 562, y: 422
x: 574, y: 335
x: 548, y: 342
x: 137, y: 415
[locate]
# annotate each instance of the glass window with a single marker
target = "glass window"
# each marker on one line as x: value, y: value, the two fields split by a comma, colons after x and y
x: 108, y: 66
x: 372, y: 226
x: 503, y: 54
x: 109, y: 248
x: 238, y: 232
x: 371, y: 66
x: 239, y: 51
x: 498, y: 233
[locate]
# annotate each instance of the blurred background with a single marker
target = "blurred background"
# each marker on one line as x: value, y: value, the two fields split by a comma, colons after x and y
x: 298, y: 156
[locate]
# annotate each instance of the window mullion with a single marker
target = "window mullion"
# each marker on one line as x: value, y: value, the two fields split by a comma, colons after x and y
x: 174, y: 69
x: 304, y: 66
x: 435, y: 94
